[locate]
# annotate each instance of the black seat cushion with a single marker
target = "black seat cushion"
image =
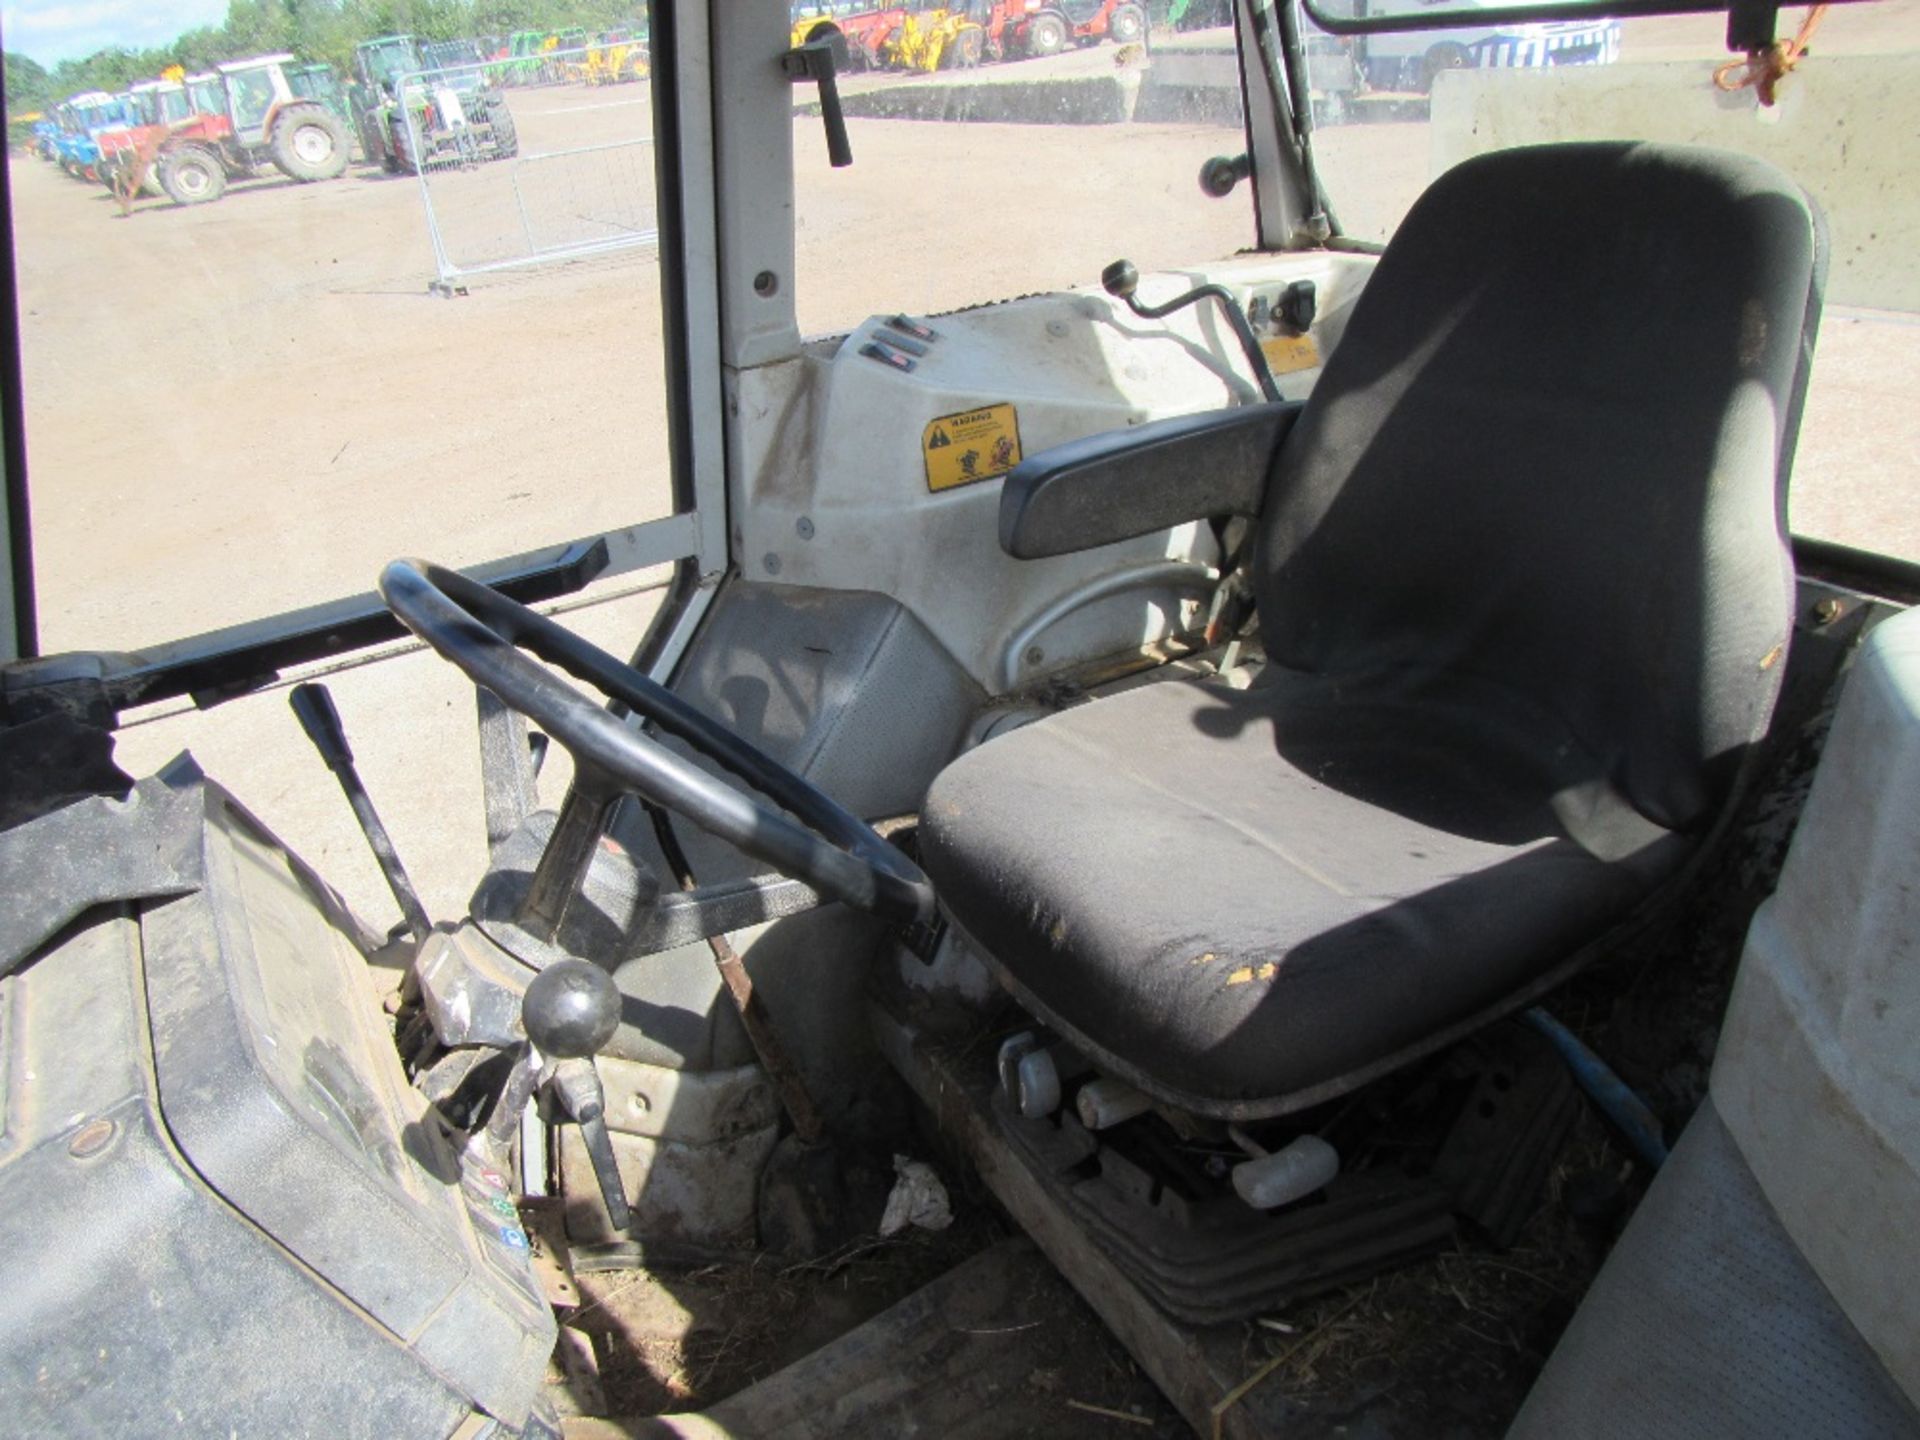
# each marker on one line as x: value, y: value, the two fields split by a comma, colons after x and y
x: 1522, y: 572
x: 1246, y: 900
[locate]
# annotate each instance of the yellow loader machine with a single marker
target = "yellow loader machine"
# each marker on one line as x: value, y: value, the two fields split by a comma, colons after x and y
x: 939, y: 39
x: 1305, y: 830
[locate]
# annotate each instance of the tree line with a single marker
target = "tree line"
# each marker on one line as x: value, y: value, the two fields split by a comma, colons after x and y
x: 312, y: 29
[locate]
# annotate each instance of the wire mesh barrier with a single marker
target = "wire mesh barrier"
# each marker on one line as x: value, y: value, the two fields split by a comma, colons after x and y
x: 523, y: 159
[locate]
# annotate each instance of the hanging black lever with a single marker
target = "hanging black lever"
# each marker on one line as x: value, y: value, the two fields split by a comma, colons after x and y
x: 321, y: 721
x: 819, y: 60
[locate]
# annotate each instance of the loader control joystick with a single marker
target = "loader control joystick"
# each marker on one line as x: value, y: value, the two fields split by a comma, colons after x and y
x: 1122, y: 278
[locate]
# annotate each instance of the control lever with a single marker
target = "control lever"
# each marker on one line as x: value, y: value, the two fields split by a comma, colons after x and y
x: 818, y: 60
x: 1220, y: 174
x: 1122, y: 278
x: 569, y: 1012
x: 314, y: 707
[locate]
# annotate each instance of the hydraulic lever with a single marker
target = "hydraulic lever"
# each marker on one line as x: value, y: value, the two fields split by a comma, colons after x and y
x: 314, y: 706
x: 1122, y: 278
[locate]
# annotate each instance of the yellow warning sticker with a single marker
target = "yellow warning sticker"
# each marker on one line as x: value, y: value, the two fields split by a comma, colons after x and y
x: 1289, y: 353
x: 973, y: 445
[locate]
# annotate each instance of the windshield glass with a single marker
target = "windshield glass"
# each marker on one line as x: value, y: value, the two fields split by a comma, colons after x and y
x: 387, y: 60
x: 252, y: 94
x: 999, y: 153
x: 1394, y: 110
x: 314, y: 82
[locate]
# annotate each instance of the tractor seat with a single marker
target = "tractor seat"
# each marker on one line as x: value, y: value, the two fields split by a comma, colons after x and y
x: 1524, y: 586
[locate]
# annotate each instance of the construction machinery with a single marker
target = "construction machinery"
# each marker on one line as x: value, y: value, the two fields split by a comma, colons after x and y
x: 411, y: 114
x: 1318, y: 786
x: 938, y: 39
x: 1017, y: 28
x: 870, y: 33
x: 614, y: 59
x: 247, y: 116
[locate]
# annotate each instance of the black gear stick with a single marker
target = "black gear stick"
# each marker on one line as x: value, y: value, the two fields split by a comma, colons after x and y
x: 569, y: 1012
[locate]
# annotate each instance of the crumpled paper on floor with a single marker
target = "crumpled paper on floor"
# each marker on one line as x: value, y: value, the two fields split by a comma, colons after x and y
x: 918, y: 1198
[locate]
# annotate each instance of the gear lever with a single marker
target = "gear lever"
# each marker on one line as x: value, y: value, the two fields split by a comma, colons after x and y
x: 569, y: 1012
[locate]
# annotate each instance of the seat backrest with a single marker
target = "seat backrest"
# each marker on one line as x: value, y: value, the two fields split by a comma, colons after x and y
x: 1550, y: 455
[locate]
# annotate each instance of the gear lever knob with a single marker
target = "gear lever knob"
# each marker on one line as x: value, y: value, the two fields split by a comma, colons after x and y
x: 571, y: 1010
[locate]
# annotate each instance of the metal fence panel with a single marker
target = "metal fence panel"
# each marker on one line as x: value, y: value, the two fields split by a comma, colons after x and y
x: 529, y: 159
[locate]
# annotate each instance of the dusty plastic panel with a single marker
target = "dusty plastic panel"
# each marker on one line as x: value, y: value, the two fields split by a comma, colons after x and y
x: 1768, y: 1286
x: 850, y: 691
x: 1706, y: 1323
x: 1818, y: 1071
x: 845, y: 687
x: 833, y: 488
x: 263, y: 1236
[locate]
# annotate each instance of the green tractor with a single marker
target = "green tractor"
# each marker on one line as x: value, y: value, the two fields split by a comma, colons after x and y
x: 321, y: 84
x: 410, y: 115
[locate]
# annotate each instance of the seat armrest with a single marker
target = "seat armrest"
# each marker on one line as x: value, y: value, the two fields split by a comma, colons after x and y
x: 1124, y: 483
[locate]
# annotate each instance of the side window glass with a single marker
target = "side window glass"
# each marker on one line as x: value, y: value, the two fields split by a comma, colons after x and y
x: 1007, y: 148
x: 1395, y: 110
x: 408, y: 318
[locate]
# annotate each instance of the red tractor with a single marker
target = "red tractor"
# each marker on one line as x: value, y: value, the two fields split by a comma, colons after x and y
x: 162, y: 110
x: 249, y: 116
x: 1018, y: 28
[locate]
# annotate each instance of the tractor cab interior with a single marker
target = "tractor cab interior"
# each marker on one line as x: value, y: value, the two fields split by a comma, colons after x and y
x: 1466, y: 695
x: 1299, y: 841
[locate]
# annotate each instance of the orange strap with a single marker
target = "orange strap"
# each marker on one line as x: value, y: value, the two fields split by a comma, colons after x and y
x: 1765, y: 69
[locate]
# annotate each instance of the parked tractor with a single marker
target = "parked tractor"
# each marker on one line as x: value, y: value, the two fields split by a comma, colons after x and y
x: 321, y: 84
x: 1046, y: 27
x: 411, y: 115
x: 537, y: 57
x: 155, y: 106
x: 82, y: 117
x: 262, y: 118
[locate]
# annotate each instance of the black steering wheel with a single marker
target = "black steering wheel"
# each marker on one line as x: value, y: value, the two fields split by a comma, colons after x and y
x: 485, y: 634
